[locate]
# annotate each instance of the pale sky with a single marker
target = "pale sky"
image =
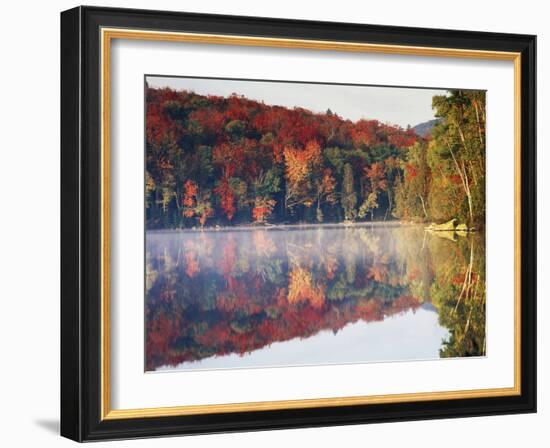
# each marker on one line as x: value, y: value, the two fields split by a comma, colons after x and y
x: 395, y: 105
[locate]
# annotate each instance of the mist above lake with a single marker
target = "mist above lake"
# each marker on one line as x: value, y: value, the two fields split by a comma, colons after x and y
x: 313, y: 295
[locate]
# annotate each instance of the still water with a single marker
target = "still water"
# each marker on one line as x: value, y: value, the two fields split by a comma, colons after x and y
x: 262, y: 297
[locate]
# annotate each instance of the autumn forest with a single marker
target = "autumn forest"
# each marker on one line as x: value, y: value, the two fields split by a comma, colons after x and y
x: 232, y: 161
x: 281, y: 235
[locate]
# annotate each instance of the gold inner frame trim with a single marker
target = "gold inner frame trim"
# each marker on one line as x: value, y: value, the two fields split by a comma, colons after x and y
x: 107, y: 35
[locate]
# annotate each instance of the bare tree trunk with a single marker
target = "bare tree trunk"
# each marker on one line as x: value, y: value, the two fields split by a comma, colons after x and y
x: 480, y: 132
x: 177, y: 201
x: 464, y: 178
x: 473, y: 171
x: 468, y: 193
x: 389, y: 205
x: 466, y: 284
x: 423, y: 206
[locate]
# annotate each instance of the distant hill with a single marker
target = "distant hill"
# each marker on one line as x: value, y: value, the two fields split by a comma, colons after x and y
x: 424, y: 129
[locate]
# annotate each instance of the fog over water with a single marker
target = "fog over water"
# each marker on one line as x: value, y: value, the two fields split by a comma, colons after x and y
x: 309, y: 296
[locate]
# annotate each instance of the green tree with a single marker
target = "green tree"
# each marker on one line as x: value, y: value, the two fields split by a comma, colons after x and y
x: 369, y: 205
x: 349, y: 196
x: 413, y: 188
x: 459, y: 143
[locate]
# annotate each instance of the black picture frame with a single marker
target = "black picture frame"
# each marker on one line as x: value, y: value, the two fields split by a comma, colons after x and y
x: 81, y: 224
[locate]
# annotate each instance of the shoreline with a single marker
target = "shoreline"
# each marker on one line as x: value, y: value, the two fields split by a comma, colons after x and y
x: 283, y: 227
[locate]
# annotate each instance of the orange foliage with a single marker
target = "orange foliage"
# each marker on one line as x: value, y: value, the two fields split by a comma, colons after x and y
x: 301, y: 288
x: 227, y: 197
x: 378, y: 272
x: 377, y: 176
x: 327, y: 187
x: 228, y: 257
x: 331, y: 266
x: 364, y: 133
x: 209, y: 119
x: 192, y: 267
x: 190, y: 194
x: 262, y: 209
x: 459, y: 279
x: 410, y: 171
x: 299, y: 165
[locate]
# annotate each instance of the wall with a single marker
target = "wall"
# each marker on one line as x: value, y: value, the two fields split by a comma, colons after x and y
x: 29, y: 113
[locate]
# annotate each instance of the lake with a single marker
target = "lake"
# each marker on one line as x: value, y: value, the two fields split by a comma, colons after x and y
x: 310, y: 295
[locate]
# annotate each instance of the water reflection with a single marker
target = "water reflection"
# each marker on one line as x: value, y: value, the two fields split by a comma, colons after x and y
x: 246, y: 298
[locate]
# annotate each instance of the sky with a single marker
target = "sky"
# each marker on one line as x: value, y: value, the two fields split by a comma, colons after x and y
x: 395, y: 105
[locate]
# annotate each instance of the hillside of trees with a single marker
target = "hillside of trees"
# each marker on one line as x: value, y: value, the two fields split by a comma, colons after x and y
x: 233, y: 161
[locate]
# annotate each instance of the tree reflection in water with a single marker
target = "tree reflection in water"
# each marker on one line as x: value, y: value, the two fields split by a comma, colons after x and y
x: 216, y: 293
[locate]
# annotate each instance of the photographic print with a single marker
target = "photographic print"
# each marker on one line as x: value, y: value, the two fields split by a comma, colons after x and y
x: 292, y: 224
x: 329, y: 207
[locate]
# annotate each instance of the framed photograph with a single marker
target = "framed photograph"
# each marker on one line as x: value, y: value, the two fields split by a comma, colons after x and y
x: 272, y: 223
